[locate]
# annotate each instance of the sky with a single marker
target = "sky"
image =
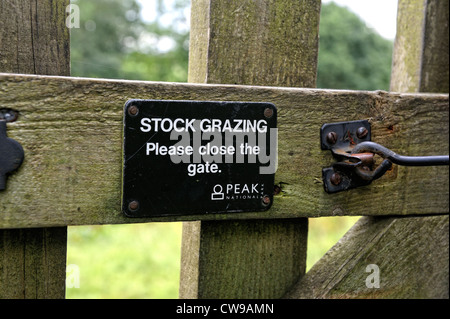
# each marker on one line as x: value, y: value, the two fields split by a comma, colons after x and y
x: 380, y: 15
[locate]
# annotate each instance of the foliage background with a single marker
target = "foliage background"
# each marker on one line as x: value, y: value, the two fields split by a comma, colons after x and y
x: 114, y: 41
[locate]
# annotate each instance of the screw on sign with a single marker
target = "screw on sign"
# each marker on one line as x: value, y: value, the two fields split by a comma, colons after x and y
x: 268, y: 112
x: 133, y: 206
x: 266, y: 200
x: 11, y: 155
x: 133, y: 110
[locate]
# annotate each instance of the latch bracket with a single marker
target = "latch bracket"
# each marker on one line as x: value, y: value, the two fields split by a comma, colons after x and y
x: 350, y: 170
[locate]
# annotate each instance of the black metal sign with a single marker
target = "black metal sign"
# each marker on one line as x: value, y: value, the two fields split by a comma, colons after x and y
x: 198, y: 157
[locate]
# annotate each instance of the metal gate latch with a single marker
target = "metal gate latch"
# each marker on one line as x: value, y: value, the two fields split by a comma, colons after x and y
x: 11, y: 154
x: 350, y: 145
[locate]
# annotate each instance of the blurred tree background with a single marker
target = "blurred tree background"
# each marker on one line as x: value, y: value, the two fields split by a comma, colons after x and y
x: 351, y: 55
x: 115, y: 41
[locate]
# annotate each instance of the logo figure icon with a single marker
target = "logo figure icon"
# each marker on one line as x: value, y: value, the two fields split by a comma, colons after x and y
x: 218, y: 193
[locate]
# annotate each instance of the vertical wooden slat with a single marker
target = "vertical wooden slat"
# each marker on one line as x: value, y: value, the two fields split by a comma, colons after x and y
x: 421, y: 64
x: 34, y: 39
x: 262, y: 42
x: 255, y: 43
x: 421, y: 50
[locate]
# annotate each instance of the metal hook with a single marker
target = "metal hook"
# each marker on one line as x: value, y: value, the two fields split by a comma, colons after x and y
x: 350, y: 145
x: 400, y: 159
x: 375, y: 174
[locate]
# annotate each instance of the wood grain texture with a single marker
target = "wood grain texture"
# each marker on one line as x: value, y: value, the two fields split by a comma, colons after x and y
x: 258, y: 42
x: 33, y: 263
x: 34, y: 40
x: 71, y: 130
x: 421, y: 47
x: 249, y: 43
x: 252, y: 258
x: 190, y: 260
x: 411, y: 253
x: 242, y: 258
x: 435, y: 58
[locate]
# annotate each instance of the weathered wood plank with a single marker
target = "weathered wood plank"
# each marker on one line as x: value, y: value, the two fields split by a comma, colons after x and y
x: 71, y: 130
x: 33, y: 263
x: 274, y: 259
x: 421, y: 47
x: 410, y: 253
x: 255, y: 42
x: 35, y: 40
x: 249, y: 43
x: 217, y: 255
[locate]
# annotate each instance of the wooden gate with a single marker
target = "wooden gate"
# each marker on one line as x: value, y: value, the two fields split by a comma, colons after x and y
x: 71, y: 133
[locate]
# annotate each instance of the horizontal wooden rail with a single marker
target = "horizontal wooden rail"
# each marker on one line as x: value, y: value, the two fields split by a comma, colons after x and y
x: 71, y: 132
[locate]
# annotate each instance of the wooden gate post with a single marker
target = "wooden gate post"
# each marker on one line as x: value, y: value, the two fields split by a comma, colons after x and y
x: 421, y: 53
x: 34, y: 39
x: 410, y: 254
x: 254, y: 43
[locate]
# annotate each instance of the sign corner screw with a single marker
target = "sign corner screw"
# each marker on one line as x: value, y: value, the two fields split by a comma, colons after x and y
x: 268, y: 112
x: 266, y: 200
x: 133, y: 110
x: 133, y: 206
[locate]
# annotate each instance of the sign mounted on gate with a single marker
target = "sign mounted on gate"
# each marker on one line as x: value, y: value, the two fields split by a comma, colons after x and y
x: 198, y: 157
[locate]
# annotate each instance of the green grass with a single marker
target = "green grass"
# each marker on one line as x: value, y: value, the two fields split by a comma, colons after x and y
x: 125, y: 261
x: 143, y: 260
x: 323, y: 233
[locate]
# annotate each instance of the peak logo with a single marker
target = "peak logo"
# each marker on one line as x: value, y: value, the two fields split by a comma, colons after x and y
x: 237, y: 191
